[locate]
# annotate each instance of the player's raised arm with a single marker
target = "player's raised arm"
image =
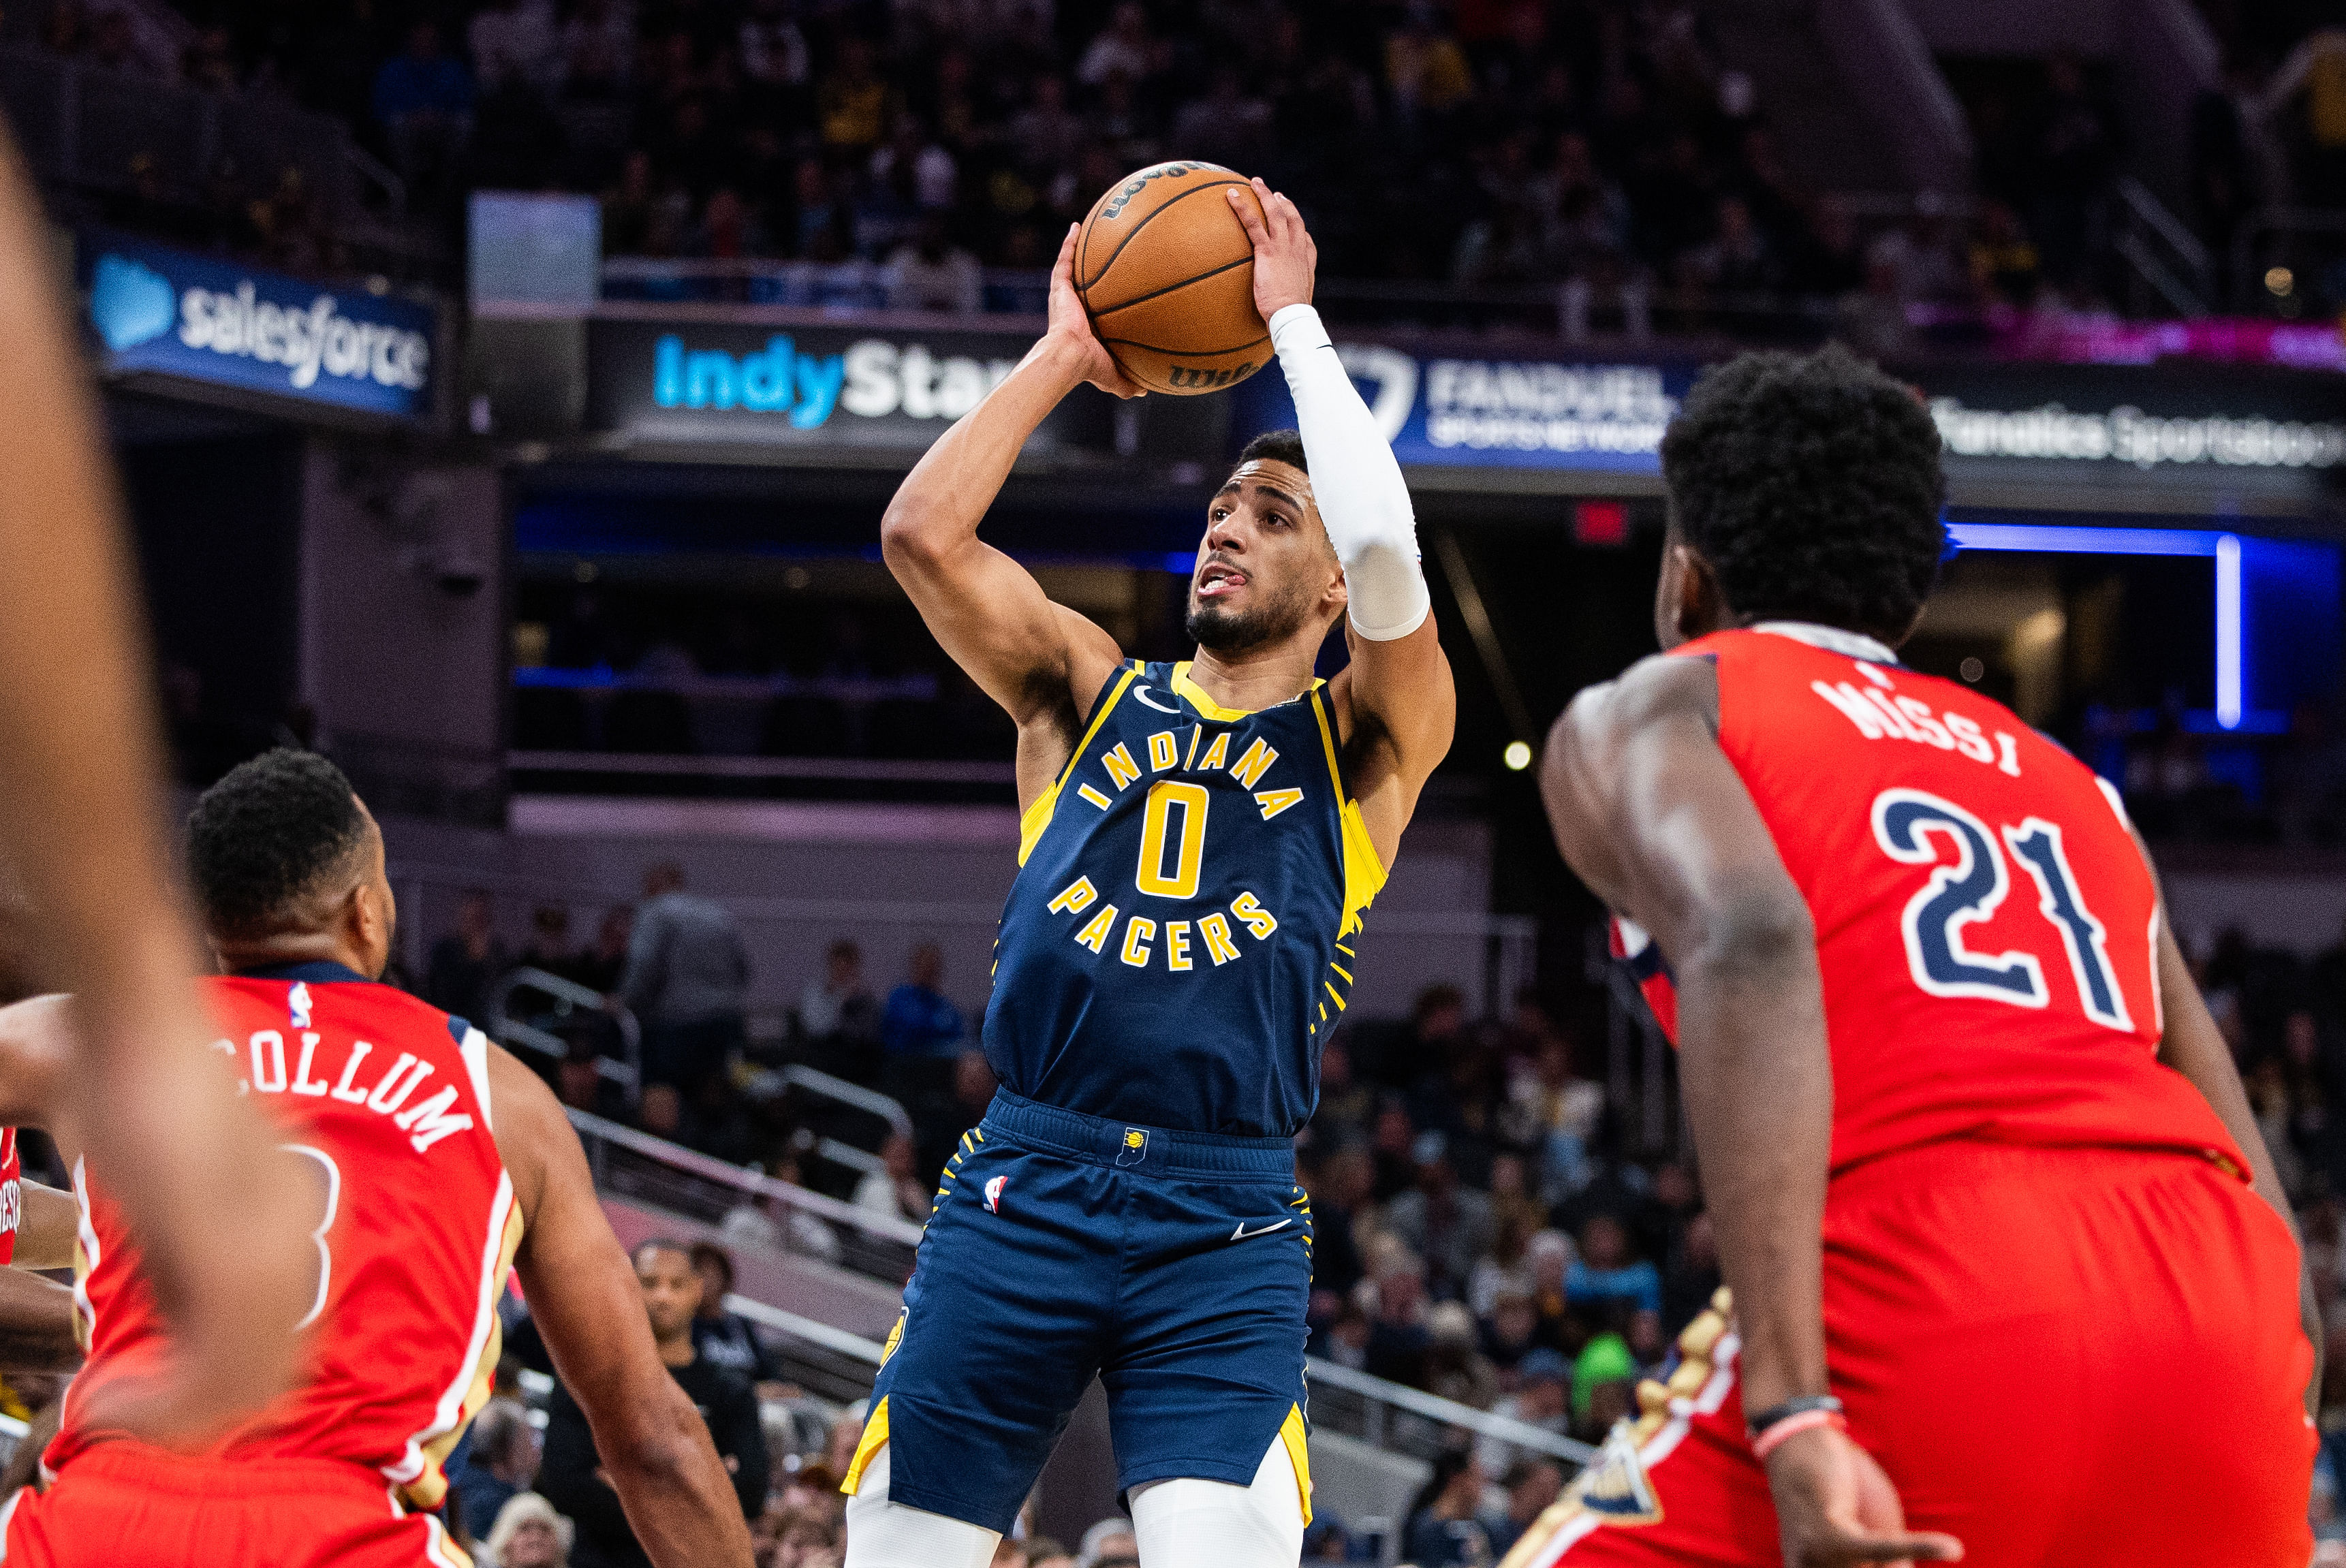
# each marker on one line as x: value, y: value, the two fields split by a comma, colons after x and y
x: 1396, y: 699
x: 679, y: 1499
x: 1693, y: 862
x: 1037, y: 659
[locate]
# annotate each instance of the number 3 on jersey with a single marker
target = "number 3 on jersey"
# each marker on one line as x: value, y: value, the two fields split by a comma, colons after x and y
x: 1920, y: 829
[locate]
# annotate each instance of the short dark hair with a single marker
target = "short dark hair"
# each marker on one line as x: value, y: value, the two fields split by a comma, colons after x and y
x: 1275, y: 447
x: 1811, y: 484
x: 266, y: 834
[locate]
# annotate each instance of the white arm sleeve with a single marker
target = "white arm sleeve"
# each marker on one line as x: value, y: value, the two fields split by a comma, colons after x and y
x: 1363, y: 501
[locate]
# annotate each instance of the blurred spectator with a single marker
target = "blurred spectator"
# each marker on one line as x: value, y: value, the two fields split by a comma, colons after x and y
x: 931, y: 273
x: 528, y: 1533
x: 604, y: 962
x: 1606, y: 1274
x: 1339, y: 1195
x: 722, y: 1336
x: 550, y: 948
x: 1447, y: 1223
x: 571, y: 1476
x: 424, y: 101
x: 686, y: 979
x: 1603, y: 1385
x: 900, y: 1191
x: 1437, y: 1027
x: 1454, y: 1368
x: 1125, y: 47
x: 921, y: 1020
x: 468, y: 960
x: 1531, y: 1485
x: 2307, y: 97
x: 853, y: 101
x: 1042, y: 1552
x: 1693, y: 1278
x: 515, y: 41
x: 1542, y: 1399
x: 839, y: 1006
x: 1444, y: 1525
x: 499, y: 1461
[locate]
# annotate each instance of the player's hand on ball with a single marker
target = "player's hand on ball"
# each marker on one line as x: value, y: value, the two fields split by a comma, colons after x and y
x: 1284, y: 256
x: 1070, y: 330
x: 1836, y: 1507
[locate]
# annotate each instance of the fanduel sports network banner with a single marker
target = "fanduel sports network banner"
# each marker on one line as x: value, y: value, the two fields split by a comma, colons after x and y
x: 1442, y: 411
x: 812, y: 387
x: 205, y: 318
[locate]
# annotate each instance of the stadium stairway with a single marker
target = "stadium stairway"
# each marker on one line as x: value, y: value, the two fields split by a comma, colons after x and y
x: 822, y: 1281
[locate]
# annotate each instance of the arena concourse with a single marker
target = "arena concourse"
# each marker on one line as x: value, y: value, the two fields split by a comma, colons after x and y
x: 624, y: 318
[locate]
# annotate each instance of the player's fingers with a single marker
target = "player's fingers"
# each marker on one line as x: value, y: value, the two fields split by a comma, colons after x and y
x: 1251, y: 219
x: 1923, y: 1546
x: 1063, y: 269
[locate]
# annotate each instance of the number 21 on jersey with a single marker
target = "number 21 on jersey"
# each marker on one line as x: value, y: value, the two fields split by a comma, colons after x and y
x: 1970, y: 879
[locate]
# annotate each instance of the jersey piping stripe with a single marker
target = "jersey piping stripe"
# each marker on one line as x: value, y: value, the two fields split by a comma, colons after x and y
x: 1037, y: 817
x: 86, y: 1229
x: 1186, y: 687
x: 410, y: 1464
x: 475, y: 1049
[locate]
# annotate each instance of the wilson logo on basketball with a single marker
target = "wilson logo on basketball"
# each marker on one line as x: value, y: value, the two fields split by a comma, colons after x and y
x: 1139, y: 182
x: 1188, y: 379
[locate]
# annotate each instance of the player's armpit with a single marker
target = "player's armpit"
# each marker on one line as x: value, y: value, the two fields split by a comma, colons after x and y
x: 36, y: 1323
x: 1398, y: 707
x: 679, y: 1499
x: 47, y: 1229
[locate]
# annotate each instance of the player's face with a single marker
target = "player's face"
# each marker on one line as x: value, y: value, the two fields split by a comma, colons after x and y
x: 1264, y: 569
x: 671, y: 1289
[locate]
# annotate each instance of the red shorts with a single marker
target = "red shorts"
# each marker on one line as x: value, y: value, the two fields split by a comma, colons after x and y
x: 125, y: 1502
x: 2059, y: 1356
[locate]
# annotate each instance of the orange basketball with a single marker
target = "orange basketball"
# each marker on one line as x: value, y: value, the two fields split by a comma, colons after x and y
x: 1167, y: 274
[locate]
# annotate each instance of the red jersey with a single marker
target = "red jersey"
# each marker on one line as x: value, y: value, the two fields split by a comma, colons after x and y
x: 1985, y: 926
x: 12, y: 1194
x: 389, y: 1099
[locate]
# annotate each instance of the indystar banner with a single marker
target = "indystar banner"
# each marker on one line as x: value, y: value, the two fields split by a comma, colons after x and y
x: 810, y: 386
x: 204, y: 319
x: 1446, y: 411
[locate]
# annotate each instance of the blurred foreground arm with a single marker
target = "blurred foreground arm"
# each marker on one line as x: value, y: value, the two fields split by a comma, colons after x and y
x: 81, y: 824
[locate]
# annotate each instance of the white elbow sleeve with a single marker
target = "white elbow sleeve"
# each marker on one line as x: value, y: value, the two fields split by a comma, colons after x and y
x: 1364, y: 501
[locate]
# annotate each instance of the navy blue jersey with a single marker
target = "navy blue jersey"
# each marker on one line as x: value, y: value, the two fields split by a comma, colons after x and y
x: 1180, y: 935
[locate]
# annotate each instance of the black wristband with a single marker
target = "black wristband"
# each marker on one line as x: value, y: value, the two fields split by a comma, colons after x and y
x: 1799, y: 1404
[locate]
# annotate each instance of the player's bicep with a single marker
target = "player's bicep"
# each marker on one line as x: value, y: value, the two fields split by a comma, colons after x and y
x: 37, y: 1039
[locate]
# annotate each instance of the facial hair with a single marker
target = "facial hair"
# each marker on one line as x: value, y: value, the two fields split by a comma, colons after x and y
x: 1230, y: 631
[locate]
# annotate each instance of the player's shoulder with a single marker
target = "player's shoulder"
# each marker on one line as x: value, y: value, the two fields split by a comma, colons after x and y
x: 1658, y: 687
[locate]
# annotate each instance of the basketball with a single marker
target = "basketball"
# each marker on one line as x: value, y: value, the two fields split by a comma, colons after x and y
x: 1167, y: 274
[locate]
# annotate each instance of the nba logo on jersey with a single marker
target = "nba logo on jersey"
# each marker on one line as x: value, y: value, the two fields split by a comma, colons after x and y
x: 993, y: 1194
x: 1136, y: 1146
x: 296, y: 1006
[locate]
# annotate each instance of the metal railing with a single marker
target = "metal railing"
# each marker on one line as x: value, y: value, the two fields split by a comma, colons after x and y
x: 569, y: 1000
x: 2167, y: 258
x: 83, y: 126
x: 638, y: 1166
x: 838, y: 1365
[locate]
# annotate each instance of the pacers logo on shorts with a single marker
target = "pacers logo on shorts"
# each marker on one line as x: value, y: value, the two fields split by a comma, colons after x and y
x: 1136, y: 1146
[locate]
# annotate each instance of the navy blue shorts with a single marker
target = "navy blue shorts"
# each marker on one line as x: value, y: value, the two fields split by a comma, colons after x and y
x: 1177, y: 1266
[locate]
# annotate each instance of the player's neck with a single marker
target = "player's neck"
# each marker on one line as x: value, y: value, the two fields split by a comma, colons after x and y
x: 290, y: 947
x: 1255, y: 680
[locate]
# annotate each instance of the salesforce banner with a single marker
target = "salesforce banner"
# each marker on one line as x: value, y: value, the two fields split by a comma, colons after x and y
x: 207, y: 319
x: 883, y: 392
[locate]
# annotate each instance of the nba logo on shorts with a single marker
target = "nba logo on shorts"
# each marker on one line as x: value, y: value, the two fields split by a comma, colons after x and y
x: 1134, y: 1148
x: 993, y: 1194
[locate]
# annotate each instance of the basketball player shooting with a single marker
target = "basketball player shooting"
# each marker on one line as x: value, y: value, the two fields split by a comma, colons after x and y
x: 2012, y: 1275
x: 429, y: 1163
x: 1199, y: 842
